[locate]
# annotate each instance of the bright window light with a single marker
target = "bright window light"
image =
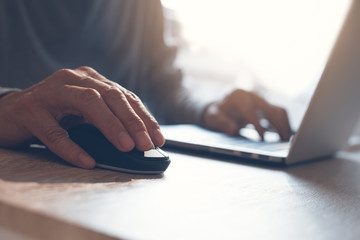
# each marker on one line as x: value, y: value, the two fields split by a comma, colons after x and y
x: 283, y: 43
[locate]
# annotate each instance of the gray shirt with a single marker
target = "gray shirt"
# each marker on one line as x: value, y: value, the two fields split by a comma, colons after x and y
x: 121, y: 39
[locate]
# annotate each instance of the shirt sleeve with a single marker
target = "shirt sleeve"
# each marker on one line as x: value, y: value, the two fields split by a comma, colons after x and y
x: 166, y: 96
x: 4, y: 91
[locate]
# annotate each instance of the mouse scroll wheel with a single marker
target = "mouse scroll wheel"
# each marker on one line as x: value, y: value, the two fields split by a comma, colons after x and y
x: 154, y: 153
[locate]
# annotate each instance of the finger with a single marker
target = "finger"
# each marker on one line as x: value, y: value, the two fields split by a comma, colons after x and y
x: 48, y: 131
x: 118, y: 104
x: 124, y: 111
x: 219, y: 121
x: 151, y: 124
x: 140, y: 124
x: 276, y: 116
x: 245, y: 106
x: 92, y: 107
x: 284, y: 128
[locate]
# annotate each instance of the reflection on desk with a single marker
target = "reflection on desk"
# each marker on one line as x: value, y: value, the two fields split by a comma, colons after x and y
x: 42, y: 197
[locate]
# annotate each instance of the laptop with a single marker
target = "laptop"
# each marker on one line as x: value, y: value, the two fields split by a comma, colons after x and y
x: 328, y: 122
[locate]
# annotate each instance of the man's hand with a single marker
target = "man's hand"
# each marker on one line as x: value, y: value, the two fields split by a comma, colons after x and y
x: 240, y: 108
x: 36, y: 112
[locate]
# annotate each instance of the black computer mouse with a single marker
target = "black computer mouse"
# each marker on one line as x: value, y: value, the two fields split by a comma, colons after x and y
x: 153, y: 161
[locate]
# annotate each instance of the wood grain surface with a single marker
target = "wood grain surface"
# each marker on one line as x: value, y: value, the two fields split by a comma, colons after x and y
x: 198, y: 197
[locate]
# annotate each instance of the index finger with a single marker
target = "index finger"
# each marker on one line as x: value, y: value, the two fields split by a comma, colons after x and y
x: 247, y: 108
x: 276, y: 116
x: 49, y: 132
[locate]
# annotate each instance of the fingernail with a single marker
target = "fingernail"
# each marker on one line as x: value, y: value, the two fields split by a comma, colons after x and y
x: 125, y: 141
x: 159, y: 138
x: 86, y: 161
x: 143, y: 140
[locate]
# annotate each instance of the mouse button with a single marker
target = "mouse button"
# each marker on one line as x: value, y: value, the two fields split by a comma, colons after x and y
x: 152, y: 153
x: 162, y: 152
x: 155, y: 153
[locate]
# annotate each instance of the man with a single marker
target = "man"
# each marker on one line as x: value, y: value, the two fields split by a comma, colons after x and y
x: 123, y: 41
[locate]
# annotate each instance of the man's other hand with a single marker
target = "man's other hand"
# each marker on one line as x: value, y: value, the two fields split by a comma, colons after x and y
x: 240, y: 108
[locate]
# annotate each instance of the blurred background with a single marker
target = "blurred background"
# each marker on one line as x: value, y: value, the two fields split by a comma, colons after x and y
x: 277, y: 48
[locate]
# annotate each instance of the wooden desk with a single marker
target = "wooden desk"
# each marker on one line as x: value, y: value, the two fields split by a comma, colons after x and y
x: 41, y: 197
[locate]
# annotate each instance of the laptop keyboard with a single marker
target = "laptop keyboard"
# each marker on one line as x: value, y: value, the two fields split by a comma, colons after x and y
x: 248, y: 141
x: 267, y: 145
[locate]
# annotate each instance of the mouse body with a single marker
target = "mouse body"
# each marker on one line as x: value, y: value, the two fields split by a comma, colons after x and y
x: 153, y: 161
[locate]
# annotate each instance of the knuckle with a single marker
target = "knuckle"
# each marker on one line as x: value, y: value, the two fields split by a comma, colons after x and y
x: 85, y: 79
x: 134, y: 122
x: 154, y: 125
x: 149, y: 119
x: 89, y: 71
x: 153, y: 121
x: 113, y: 93
x: 132, y: 96
x: 55, y: 135
x: 238, y: 94
x: 65, y: 72
x: 89, y: 96
x: 85, y: 69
